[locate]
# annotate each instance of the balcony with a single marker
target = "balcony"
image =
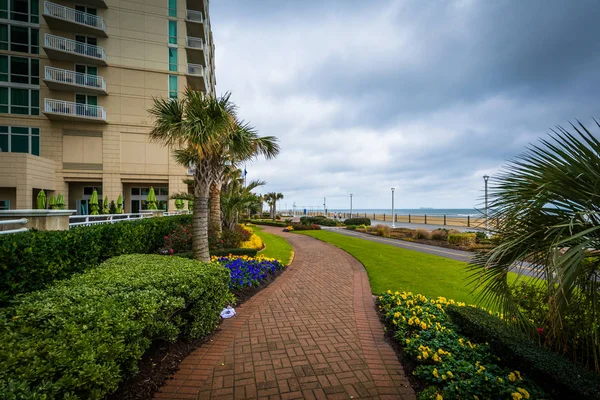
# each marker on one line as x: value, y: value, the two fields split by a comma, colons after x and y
x: 68, y: 19
x: 70, y: 81
x: 60, y: 48
x: 195, y: 50
x: 195, y: 23
x: 195, y: 77
x: 69, y: 111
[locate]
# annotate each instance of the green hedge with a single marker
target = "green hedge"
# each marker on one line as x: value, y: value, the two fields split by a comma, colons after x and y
x: 31, y: 260
x: 319, y: 220
x: 223, y: 253
x: 270, y: 223
x: 358, y: 221
x: 80, y: 337
x: 462, y: 239
x: 554, y: 372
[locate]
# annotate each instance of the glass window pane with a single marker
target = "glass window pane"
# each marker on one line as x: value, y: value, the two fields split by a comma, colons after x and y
x: 19, y: 39
x: 19, y: 10
x: 19, y: 144
x: 172, y: 86
x: 144, y: 191
x: 3, y: 68
x: 19, y: 130
x: 4, y: 9
x: 35, y: 145
x: 35, y: 102
x: 35, y: 131
x: 3, y: 100
x: 173, y: 32
x: 135, y: 191
x: 4, y: 143
x: 35, y: 11
x: 35, y: 71
x: 3, y: 129
x: 172, y: 8
x: 19, y: 101
x: 172, y: 59
x: 3, y: 37
x: 35, y: 41
x: 87, y: 190
x: 19, y: 70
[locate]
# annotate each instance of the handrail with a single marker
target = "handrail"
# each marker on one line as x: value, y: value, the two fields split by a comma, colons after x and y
x: 70, y: 14
x: 21, y: 221
x: 195, y: 69
x: 73, y: 46
x: 193, y: 16
x: 87, y: 220
x: 194, y: 42
x: 74, y: 78
x: 74, y: 109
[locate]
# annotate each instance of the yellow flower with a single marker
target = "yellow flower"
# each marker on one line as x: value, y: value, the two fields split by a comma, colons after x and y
x: 518, y: 374
x: 407, y: 341
x: 481, y: 369
x: 435, y: 373
x: 500, y: 380
x: 438, y: 397
x: 444, y: 377
x: 475, y: 397
x: 517, y: 396
x: 423, y: 325
x: 394, y: 322
x: 524, y: 392
x: 389, y: 292
x: 461, y: 341
x: 396, y: 293
x: 397, y: 315
x: 512, y: 377
x: 450, y: 374
x: 436, y: 358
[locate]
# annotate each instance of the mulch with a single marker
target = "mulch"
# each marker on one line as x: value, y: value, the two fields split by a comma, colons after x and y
x: 163, y: 358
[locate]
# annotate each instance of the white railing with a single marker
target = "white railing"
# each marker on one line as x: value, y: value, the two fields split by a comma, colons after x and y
x: 195, y: 43
x: 74, y: 109
x: 72, y: 15
x: 194, y: 16
x: 74, y: 78
x: 21, y: 221
x: 195, y: 69
x: 88, y: 220
x: 74, y: 47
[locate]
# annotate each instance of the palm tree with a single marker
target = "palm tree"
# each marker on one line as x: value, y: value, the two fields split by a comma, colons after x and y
x: 271, y: 200
x: 204, y: 133
x: 547, y: 202
x: 237, y: 197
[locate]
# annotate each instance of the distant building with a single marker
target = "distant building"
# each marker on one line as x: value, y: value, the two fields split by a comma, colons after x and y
x: 76, y: 81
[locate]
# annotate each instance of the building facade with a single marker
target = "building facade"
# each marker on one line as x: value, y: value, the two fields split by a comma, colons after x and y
x: 77, y: 78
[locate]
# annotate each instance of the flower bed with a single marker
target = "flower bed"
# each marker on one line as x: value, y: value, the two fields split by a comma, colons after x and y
x: 449, y: 363
x: 248, y: 271
x: 253, y: 242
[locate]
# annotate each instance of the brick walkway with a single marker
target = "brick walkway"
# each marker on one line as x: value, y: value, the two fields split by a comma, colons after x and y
x: 312, y: 334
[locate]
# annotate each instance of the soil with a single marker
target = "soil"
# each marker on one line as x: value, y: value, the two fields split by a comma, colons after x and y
x: 162, y: 359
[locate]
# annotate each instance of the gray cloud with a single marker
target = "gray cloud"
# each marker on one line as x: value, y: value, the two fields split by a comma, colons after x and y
x: 423, y: 96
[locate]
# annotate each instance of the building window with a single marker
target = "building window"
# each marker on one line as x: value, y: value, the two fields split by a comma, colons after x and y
x: 172, y: 59
x: 19, y: 70
x: 172, y: 86
x: 19, y: 139
x: 172, y: 8
x: 172, y: 32
x: 19, y: 101
x: 20, y: 38
x: 4, y: 204
x: 20, y: 10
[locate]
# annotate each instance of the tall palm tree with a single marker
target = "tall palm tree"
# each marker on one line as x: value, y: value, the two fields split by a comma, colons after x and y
x: 547, y: 202
x: 271, y: 200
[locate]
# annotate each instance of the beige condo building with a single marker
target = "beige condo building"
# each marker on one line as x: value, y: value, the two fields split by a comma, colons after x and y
x: 76, y: 80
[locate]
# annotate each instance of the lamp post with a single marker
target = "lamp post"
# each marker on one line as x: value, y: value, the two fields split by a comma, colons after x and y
x: 485, y: 178
x: 393, y: 219
x: 350, y: 205
x: 325, y: 206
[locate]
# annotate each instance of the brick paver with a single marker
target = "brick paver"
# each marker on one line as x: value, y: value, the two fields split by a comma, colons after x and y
x: 312, y: 334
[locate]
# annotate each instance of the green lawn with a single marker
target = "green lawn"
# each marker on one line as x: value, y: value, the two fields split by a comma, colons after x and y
x: 394, y: 268
x: 275, y: 246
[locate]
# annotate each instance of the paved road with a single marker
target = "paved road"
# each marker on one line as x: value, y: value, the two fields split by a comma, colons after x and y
x: 314, y: 333
x: 458, y: 255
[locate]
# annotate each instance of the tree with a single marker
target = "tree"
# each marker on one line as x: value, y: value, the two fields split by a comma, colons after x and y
x: 204, y: 132
x: 547, y: 202
x: 271, y: 200
x: 236, y: 198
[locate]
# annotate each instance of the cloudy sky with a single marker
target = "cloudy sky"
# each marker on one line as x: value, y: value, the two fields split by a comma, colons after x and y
x: 423, y: 96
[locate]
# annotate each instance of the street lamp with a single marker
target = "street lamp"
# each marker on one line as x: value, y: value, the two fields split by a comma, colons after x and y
x: 485, y: 178
x: 393, y: 219
x: 350, y: 205
x: 324, y: 206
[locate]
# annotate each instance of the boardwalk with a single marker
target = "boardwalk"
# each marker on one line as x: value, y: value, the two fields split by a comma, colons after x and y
x: 312, y: 334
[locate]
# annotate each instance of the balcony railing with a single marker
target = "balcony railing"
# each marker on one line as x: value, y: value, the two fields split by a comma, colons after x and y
x: 74, y: 47
x: 194, y: 16
x: 194, y: 43
x: 195, y: 69
x: 71, y: 109
x: 72, y: 15
x: 74, y: 78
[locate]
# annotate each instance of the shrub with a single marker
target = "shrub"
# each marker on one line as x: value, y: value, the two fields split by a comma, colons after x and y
x: 448, y: 362
x: 80, y: 337
x: 254, y: 242
x: 422, y: 234
x: 302, y: 227
x: 234, y: 238
x: 178, y: 241
x: 461, y: 239
x: 382, y: 230
x: 358, y: 221
x: 439, y: 234
x: 559, y: 376
x: 31, y: 260
x: 270, y: 223
x: 319, y: 220
x: 480, y: 237
x: 351, y: 227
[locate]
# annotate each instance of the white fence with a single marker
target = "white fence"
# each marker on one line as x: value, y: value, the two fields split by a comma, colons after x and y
x: 74, y: 47
x: 74, y: 78
x: 88, y: 220
x: 74, y: 109
x: 21, y: 221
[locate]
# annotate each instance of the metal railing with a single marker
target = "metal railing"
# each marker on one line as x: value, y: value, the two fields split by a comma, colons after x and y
x: 195, y: 69
x: 194, y: 16
x: 74, y: 109
x: 21, y: 221
x: 72, y: 15
x: 74, y: 47
x: 88, y: 220
x: 74, y: 78
x: 195, y: 43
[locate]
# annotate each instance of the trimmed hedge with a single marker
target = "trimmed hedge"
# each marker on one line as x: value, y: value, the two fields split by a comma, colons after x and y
x: 269, y: 223
x: 554, y: 372
x: 358, y: 221
x: 462, y: 239
x: 319, y: 220
x: 31, y: 260
x: 303, y: 227
x: 80, y: 337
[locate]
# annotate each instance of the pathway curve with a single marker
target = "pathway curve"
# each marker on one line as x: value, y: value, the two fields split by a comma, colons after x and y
x: 313, y: 333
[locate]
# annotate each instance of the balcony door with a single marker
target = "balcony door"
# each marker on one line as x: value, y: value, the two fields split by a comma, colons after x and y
x: 87, y: 19
x: 86, y: 70
x: 81, y: 47
x: 86, y: 105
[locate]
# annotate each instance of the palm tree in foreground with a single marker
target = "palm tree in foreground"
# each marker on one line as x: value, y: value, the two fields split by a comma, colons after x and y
x: 547, y: 202
x: 204, y: 132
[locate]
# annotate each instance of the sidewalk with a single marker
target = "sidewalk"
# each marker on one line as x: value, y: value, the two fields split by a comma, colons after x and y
x: 312, y: 334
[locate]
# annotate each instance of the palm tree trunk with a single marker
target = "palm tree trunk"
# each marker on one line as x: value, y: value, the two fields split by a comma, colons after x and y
x: 200, y: 227
x: 215, y: 220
